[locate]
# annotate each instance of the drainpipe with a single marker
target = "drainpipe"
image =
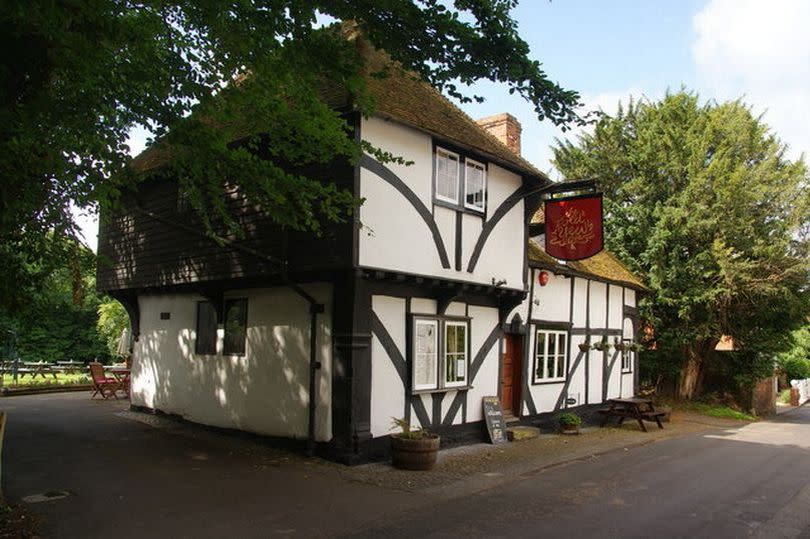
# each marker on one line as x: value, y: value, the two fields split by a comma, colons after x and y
x: 314, y: 367
x: 315, y: 308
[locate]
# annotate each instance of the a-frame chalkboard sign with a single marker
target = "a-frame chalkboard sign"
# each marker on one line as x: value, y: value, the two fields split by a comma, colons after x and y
x: 496, y: 424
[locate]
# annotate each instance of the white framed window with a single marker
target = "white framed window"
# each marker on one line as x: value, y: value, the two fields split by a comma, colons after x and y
x: 550, y: 356
x: 475, y: 185
x: 425, y: 354
x: 627, y: 356
x: 447, y: 176
x: 455, y: 354
x: 441, y: 355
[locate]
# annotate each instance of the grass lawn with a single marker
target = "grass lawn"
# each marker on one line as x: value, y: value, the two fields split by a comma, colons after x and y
x: 60, y: 380
x: 712, y: 410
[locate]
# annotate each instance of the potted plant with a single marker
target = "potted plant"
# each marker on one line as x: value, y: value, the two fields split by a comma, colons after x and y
x: 584, y: 346
x: 413, y: 449
x: 569, y: 423
x: 602, y: 346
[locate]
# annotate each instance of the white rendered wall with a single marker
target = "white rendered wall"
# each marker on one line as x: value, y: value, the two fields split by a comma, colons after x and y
x: 629, y: 297
x: 387, y: 395
x: 265, y: 391
x: 394, y: 236
x: 388, y: 391
x: 580, y: 302
x: 553, y: 301
x: 616, y: 307
x: 597, y: 305
x: 485, y: 384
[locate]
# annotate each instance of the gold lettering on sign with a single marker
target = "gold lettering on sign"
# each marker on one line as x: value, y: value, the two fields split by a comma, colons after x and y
x: 572, y: 229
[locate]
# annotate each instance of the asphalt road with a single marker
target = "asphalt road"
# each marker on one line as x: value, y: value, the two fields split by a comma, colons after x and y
x: 753, y: 481
x: 124, y: 478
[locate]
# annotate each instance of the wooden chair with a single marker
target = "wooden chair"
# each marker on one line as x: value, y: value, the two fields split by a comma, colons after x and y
x: 102, y: 384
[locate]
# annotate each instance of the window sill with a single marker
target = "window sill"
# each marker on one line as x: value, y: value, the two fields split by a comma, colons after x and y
x: 459, y: 207
x: 548, y: 382
x: 440, y: 390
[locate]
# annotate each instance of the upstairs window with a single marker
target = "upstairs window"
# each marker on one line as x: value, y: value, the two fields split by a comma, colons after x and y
x: 475, y: 181
x: 447, y: 174
x: 551, y: 356
x: 235, y: 326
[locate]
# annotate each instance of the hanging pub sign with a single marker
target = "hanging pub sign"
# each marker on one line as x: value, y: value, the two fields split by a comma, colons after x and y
x: 574, y: 226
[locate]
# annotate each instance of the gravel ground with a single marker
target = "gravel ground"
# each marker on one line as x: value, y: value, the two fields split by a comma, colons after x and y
x: 477, y: 467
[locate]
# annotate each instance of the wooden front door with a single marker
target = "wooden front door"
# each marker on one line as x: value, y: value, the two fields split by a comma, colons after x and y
x: 510, y: 375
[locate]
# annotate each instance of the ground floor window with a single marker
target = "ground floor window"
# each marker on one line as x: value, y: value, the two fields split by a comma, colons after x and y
x: 550, y: 356
x: 235, y: 326
x: 206, y: 343
x: 440, y: 353
x: 627, y: 356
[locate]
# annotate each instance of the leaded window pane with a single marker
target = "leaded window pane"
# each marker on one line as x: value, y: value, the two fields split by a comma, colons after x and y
x: 474, y: 186
x: 447, y: 170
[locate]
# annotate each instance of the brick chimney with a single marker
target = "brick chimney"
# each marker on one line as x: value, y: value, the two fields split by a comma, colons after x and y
x: 505, y: 127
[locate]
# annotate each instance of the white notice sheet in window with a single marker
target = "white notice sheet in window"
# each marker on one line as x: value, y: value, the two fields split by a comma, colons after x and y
x: 425, y: 367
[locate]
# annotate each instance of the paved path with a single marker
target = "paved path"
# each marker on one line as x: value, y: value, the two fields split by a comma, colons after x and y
x: 126, y: 478
x: 753, y: 481
x: 129, y: 479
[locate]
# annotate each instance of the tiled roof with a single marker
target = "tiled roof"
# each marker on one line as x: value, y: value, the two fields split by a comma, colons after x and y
x: 601, y: 267
x: 402, y: 97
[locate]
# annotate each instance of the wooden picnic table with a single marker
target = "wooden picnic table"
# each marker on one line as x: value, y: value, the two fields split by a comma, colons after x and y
x: 639, y: 408
x: 35, y: 368
x: 70, y: 367
x: 121, y: 373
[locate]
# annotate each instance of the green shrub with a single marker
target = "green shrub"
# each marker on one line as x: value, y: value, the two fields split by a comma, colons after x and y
x: 796, y: 368
x: 569, y: 419
x: 406, y: 431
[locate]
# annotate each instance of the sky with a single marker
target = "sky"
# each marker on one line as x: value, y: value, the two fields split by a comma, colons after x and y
x: 754, y: 50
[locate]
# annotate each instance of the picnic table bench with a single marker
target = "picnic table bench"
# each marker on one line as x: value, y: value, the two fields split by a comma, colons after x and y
x: 639, y: 408
x: 34, y: 368
x: 37, y: 368
x: 70, y: 367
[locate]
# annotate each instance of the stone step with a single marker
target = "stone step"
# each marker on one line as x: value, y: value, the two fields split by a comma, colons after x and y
x: 509, y: 418
x: 520, y: 433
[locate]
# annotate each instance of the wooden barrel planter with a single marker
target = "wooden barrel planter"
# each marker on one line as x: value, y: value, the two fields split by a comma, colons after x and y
x: 414, y: 453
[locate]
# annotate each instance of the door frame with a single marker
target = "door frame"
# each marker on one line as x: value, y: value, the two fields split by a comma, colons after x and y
x: 517, y: 373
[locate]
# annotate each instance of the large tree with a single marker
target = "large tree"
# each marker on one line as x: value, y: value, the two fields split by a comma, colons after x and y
x: 701, y: 198
x: 77, y: 76
x: 59, y: 317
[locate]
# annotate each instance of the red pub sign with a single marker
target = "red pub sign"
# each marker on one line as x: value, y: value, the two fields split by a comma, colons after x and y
x: 574, y: 227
